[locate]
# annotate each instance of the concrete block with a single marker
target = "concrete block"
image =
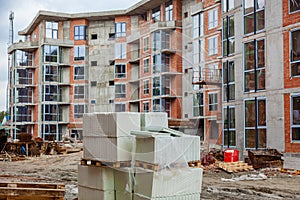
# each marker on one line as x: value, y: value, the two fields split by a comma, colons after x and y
x: 195, y: 196
x: 85, y: 193
x: 108, y: 149
x: 111, y: 124
x: 155, y: 119
x: 163, y: 149
x: 99, y: 178
x: 168, y: 182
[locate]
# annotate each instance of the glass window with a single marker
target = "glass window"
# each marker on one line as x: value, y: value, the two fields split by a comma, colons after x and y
x: 50, y: 92
x: 146, y: 44
x: 294, y: 5
x: 198, y: 104
x: 79, y: 32
x: 197, y: 76
x: 229, y: 133
x: 228, y: 36
x: 120, y: 29
x: 156, y: 86
x: 50, y: 113
x: 50, y: 73
x: 212, y: 18
x: 50, y: 53
x: 146, y: 65
x: 120, y: 51
x: 52, y: 30
x: 23, y: 58
x: 120, y: 90
x: 295, y: 53
x: 156, y: 14
x: 146, y: 106
x: 79, y: 110
x: 157, y: 105
x: 169, y: 11
x: 227, y: 5
x: 198, y: 25
x: 228, y: 81
x: 120, y: 107
x: 120, y: 71
x: 213, y: 45
x: 254, y: 65
x: 212, y: 101
x: 254, y: 16
x: 161, y: 40
x: 255, y: 123
x: 196, y: 51
x: 295, y: 122
x: 213, y: 73
x: 79, y: 73
x: 79, y: 53
x: 79, y: 92
x: 146, y: 86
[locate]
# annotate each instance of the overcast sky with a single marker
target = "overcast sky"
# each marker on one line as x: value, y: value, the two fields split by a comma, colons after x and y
x: 26, y: 10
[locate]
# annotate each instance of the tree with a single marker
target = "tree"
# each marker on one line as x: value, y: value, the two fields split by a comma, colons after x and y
x: 2, y: 115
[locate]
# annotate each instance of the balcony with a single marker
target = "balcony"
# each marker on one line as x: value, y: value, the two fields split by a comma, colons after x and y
x: 135, y: 93
x: 25, y: 46
x: 165, y: 25
x: 135, y: 57
x: 209, y: 77
x: 135, y: 73
x: 58, y: 42
x: 134, y: 37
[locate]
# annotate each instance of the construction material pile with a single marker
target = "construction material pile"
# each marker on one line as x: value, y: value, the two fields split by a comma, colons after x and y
x: 135, y: 156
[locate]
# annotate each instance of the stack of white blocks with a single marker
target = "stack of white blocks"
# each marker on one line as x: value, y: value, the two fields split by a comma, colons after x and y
x: 107, y: 137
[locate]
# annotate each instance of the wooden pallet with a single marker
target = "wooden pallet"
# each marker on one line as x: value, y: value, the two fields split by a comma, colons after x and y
x: 97, y: 163
x: 146, y: 165
x: 290, y: 171
x: 239, y: 166
x: 28, y: 191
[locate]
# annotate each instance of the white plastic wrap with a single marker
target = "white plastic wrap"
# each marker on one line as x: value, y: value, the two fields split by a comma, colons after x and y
x: 124, y: 183
x: 168, y: 182
x: 110, y: 124
x: 154, y: 120
x: 166, y: 150
x: 108, y: 149
x: 86, y: 193
x: 99, y: 178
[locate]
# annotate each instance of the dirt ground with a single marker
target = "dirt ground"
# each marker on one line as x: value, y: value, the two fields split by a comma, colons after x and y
x: 217, y: 184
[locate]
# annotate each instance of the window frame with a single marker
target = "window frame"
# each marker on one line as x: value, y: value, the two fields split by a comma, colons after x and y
x: 254, y: 12
x: 78, y: 50
x: 200, y: 103
x: 122, y: 93
x: 229, y: 128
x: 156, y: 14
x: 292, y: 124
x: 80, y: 32
x: 292, y: 61
x: 79, y: 76
x: 289, y: 6
x: 123, y: 70
x: 146, y: 90
x: 226, y: 38
x: 256, y: 126
x: 54, y: 31
x: 198, y: 25
x: 256, y: 67
x: 77, y: 115
x: 120, y: 50
x: 156, y: 87
x: 120, y: 29
x: 214, y: 21
x: 227, y: 80
x: 227, y: 8
x: 169, y: 11
x: 49, y: 72
x: 79, y: 95
x: 213, y: 50
x: 123, y: 107
x: 146, y: 67
x: 148, y: 106
x: 213, y: 103
x: 146, y: 43
x: 48, y: 54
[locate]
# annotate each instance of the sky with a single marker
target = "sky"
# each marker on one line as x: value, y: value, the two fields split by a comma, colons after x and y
x: 26, y: 10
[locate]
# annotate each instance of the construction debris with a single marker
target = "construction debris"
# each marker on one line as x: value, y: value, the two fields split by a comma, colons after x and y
x: 246, y: 177
x: 235, y: 166
x: 265, y: 158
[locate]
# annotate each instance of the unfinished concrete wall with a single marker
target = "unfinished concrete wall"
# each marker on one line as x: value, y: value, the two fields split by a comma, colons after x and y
x: 100, y: 71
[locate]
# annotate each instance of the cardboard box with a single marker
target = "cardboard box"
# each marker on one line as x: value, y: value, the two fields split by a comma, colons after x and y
x: 85, y: 193
x: 181, y: 197
x: 168, y: 182
x: 100, y: 178
x: 111, y: 124
x: 164, y: 149
x: 108, y: 149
